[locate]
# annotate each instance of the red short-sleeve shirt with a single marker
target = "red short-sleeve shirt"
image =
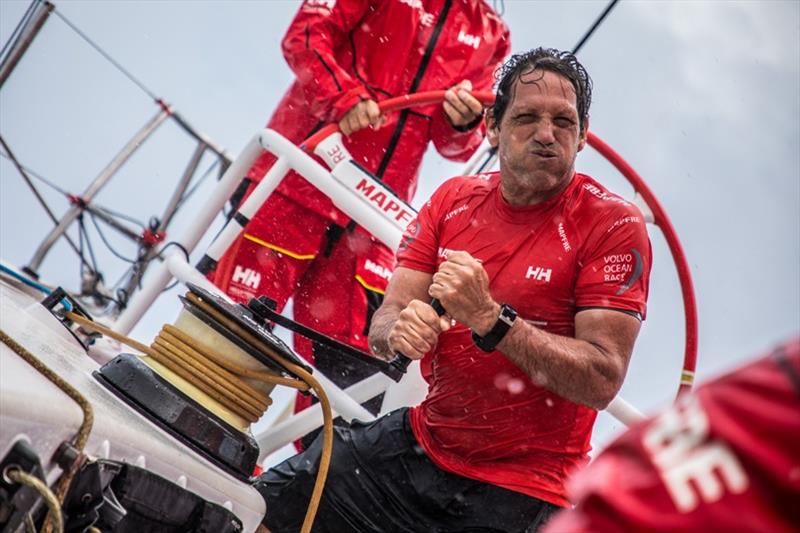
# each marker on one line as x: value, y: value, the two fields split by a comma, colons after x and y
x: 484, y: 418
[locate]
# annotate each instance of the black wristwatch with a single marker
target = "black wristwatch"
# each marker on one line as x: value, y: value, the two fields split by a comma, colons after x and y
x: 489, y: 342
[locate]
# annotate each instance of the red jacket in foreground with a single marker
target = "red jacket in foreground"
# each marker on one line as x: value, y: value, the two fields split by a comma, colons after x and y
x: 726, y: 458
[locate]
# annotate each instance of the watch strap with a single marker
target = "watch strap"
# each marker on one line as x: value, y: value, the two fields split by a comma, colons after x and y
x: 505, y: 320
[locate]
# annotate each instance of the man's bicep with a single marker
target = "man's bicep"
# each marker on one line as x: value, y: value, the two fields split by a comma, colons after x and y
x: 406, y: 285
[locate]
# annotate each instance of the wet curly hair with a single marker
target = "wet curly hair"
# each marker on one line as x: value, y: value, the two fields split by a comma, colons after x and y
x: 562, y: 63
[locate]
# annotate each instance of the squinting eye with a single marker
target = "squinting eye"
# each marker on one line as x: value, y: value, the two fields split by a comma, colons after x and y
x: 563, y: 122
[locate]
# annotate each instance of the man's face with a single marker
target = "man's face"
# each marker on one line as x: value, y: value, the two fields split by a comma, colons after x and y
x: 538, y: 137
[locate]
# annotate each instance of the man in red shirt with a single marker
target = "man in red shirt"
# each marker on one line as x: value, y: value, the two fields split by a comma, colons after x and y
x: 543, y: 274
x: 347, y: 56
x: 725, y: 458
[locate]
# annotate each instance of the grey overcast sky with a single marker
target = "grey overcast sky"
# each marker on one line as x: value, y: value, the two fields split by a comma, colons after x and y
x: 702, y: 98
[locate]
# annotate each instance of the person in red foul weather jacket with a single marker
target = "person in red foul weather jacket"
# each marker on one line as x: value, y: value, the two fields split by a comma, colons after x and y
x: 725, y: 458
x: 348, y: 55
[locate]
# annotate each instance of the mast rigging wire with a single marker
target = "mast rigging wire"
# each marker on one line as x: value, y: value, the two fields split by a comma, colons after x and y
x: 23, y: 22
x: 140, y: 262
x: 36, y: 175
x: 27, y: 173
x: 10, y: 155
x: 594, y: 26
x: 85, y: 237
x: 190, y: 192
x: 103, y: 237
x: 105, y: 54
x: 103, y: 209
x: 111, y: 213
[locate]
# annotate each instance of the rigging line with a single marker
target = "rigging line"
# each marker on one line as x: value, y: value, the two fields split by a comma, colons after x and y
x: 38, y: 176
x: 199, y: 182
x: 122, y: 277
x: 105, y: 240
x: 39, y: 197
x: 594, y: 26
x: 161, y: 256
x: 27, y: 179
x: 23, y: 22
x: 106, y: 55
x: 67, y: 194
x: 123, y: 216
x: 85, y: 238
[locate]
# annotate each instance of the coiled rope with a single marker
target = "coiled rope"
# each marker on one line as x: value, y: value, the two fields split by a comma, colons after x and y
x: 223, y: 380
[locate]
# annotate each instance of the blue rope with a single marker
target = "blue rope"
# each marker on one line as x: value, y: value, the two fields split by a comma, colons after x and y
x: 31, y: 283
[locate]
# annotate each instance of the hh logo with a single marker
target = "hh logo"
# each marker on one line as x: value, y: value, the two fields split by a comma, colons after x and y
x: 539, y: 274
x: 246, y: 276
x: 470, y: 40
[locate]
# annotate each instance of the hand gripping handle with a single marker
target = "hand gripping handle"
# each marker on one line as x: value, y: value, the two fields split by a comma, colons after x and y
x: 395, y: 104
x: 400, y: 361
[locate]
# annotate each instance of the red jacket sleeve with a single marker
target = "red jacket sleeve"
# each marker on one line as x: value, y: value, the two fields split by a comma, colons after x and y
x: 457, y: 145
x: 309, y: 48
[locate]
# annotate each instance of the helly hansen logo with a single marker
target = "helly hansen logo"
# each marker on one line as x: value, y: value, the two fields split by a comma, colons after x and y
x: 246, y: 276
x: 539, y: 274
x: 470, y: 40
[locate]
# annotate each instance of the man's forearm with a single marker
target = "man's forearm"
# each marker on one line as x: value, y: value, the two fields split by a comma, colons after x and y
x: 577, y: 370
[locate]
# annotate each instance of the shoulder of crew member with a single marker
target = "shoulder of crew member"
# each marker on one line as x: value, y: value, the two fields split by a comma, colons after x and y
x: 460, y: 188
x: 473, y: 182
x: 595, y: 198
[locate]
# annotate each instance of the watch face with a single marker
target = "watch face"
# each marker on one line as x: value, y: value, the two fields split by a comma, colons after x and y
x: 507, y: 314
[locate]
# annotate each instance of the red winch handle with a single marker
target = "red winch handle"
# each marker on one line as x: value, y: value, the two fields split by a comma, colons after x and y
x: 395, y: 104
